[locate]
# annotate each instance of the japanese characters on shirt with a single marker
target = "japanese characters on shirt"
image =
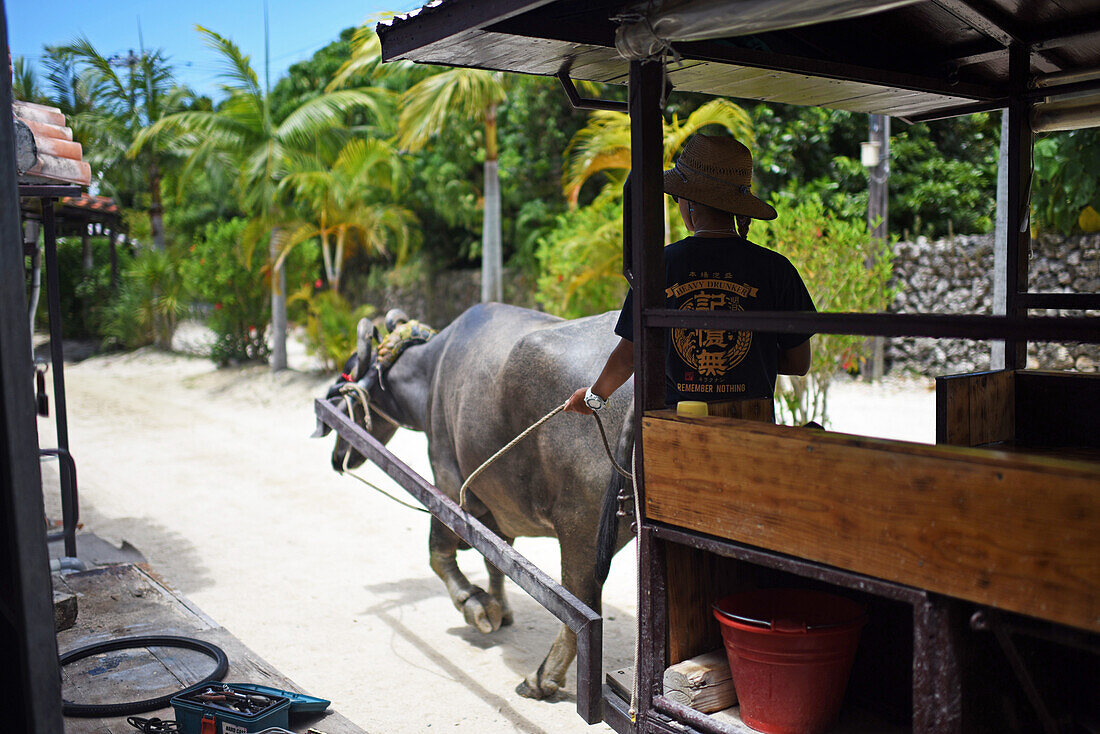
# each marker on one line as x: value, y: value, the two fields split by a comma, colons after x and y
x: 709, y: 354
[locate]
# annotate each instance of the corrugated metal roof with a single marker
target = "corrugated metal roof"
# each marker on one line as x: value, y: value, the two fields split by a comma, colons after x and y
x: 934, y: 57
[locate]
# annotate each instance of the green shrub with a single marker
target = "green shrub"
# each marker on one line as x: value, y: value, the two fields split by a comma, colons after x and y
x: 230, y: 280
x: 1065, y: 179
x: 845, y: 270
x: 330, y: 324
x: 149, y: 302
x: 581, y: 261
x: 85, y: 294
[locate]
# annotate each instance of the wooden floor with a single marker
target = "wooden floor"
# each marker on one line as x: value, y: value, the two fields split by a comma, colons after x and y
x: 129, y: 600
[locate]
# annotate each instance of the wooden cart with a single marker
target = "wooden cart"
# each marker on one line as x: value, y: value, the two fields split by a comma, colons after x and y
x: 980, y: 566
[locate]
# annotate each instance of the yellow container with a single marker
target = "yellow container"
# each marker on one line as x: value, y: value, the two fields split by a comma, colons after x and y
x: 691, y: 408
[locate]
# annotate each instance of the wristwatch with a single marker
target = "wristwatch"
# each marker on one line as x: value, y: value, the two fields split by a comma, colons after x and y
x: 592, y: 400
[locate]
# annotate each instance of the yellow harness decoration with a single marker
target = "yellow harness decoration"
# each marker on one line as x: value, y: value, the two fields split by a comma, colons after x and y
x: 403, y: 336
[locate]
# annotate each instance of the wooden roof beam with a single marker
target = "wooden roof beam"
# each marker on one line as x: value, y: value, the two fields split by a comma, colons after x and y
x: 729, y: 54
x: 997, y: 28
x: 1001, y: 30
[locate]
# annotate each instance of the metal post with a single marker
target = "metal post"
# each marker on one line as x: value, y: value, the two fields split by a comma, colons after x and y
x: 57, y: 356
x: 878, y: 211
x: 69, y: 507
x: 30, y: 242
x: 1000, y: 246
x: 1018, y: 237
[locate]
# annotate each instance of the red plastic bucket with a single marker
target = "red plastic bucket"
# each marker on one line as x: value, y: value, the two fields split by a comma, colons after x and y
x: 790, y: 654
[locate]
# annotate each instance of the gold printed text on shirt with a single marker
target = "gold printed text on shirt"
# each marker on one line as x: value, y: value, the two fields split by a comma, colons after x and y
x: 711, y: 352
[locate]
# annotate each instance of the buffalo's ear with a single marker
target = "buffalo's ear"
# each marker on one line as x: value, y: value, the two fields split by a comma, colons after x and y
x: 363, y: 334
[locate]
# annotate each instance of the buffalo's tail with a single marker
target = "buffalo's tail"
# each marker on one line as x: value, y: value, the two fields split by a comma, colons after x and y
x: 608, y: 533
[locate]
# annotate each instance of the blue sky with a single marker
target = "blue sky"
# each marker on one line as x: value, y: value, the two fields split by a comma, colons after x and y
x: 298, y: 28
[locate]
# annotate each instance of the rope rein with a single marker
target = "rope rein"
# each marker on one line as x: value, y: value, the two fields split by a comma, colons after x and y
x: 349, y: 389
x: 378, y: 489
x: 353, y: 391
x: 488, y: 462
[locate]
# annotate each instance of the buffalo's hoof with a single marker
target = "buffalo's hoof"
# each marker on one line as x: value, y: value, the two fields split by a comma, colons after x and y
x: 531, y: 688
x: 483, y: 611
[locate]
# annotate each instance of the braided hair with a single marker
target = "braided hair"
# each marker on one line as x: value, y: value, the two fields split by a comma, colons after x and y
x: 741, y: 224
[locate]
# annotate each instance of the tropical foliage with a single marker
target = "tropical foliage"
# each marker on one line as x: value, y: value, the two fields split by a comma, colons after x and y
x: 350, y: 198
x: 1066, y: 194
x: 243, y: 136
x: 124, y: 106
x: 846, y: 270
x: 580, y: 259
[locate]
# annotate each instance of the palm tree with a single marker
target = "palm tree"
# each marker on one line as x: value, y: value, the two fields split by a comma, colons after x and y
x: 24, y: 84
x: 350, y: 197
x: 603, y: 145
x: 66, y: 89
x: 242, y: 135
x: 426, y: 108
x: 122, y: 106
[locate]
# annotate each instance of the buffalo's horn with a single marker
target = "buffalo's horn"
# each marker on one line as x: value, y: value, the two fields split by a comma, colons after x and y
x: 394, y: 318
x: 363, y: 346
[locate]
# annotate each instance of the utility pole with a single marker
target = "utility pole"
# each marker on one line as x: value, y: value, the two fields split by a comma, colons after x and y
x: 132, y: 60
x: 875, y: 155
x: 1000, y: 246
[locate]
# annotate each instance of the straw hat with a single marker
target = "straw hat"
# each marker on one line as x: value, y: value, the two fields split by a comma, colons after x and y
x: 717, y: 171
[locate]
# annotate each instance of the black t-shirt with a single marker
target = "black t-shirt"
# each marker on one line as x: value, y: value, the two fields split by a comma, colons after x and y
x: 728, y: 273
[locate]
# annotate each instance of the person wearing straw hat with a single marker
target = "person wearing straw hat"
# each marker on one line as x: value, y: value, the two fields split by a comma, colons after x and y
x: 715, y: 268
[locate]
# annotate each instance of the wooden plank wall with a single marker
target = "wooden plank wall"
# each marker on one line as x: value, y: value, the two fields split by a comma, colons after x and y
x: 976, y: 409
x: 1058, y: 408
x: 697, y: 579
x: 762, y: 409
x: 1013, y: 531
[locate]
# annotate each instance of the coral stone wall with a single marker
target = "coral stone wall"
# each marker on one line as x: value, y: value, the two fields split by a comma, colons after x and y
x: 956, y: 277
x: 438, y: 297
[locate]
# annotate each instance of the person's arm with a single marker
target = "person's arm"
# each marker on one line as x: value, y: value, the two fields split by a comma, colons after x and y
x: 794, y: 361
x: 616, y: 370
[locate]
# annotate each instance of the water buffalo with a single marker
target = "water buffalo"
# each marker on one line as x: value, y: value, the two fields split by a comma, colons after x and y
x: 472, y: 388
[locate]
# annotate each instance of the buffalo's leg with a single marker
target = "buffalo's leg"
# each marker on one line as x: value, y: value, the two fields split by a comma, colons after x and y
x: 496, y: 576
x: 496, y: 589
x: 478, y: 607
x: 577, y: 576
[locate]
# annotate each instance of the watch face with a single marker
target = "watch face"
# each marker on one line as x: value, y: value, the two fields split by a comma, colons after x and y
x: 593, y: 402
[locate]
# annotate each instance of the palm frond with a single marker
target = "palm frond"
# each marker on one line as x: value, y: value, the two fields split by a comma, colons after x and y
x: 290, y: 235
x: 719, y: 111
x: 427, y: 106
x: 203, y: 123
x: 365, y: 60
x: 603, y: 144
x: 236, y: 67
x: 104, y: 83
x: 328, y: 110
